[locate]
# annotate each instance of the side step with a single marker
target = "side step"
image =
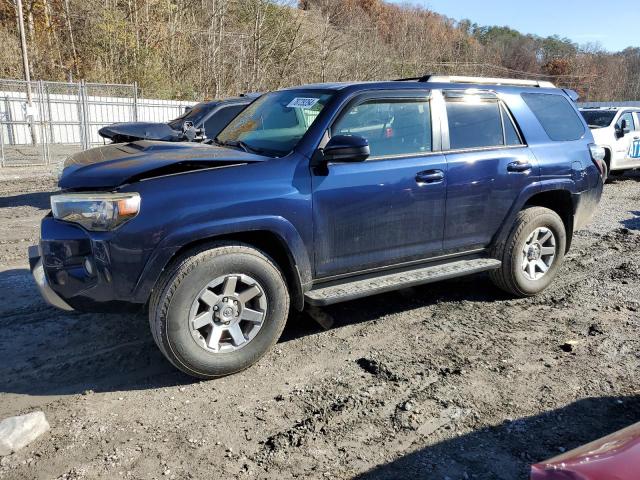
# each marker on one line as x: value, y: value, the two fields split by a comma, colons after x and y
x: 364, y: 287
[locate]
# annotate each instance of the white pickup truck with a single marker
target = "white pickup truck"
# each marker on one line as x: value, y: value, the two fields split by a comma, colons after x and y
x: 617, y: 129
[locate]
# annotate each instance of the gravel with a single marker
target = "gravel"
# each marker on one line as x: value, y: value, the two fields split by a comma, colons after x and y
x: 450, y: 380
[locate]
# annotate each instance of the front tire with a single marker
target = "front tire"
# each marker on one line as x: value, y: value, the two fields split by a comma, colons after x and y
x: 219, y: 309
x: 532, y: 253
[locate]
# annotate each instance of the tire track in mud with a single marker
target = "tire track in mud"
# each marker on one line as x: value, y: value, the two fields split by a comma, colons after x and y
x: 406, y: 413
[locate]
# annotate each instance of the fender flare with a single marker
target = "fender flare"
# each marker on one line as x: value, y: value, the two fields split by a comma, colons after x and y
x: 192, y: 234
x: 550, y: 185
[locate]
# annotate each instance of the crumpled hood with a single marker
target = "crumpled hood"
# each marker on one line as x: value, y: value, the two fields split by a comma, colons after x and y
x: 113, y: 165
x: 131, y: 131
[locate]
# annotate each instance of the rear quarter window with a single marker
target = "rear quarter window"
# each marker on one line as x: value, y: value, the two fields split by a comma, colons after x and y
x: 556, y: 115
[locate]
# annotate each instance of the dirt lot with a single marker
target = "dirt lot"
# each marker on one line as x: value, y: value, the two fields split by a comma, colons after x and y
x: 446, y: 381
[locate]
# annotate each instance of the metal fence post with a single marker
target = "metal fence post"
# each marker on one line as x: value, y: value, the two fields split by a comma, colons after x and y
x: 9, y: 118
x: 87, y: 122
x: 80, y: 113
x: 2, y: 143
x: 49, y: 114
x: 84, y: 124
x: 135, y: 101
x: 43, y: 132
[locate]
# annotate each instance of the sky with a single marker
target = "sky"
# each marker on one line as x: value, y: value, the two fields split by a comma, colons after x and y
x: 615, y: 25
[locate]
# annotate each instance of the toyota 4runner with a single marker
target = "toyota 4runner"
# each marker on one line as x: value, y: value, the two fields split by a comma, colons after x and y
x: 315, y: 195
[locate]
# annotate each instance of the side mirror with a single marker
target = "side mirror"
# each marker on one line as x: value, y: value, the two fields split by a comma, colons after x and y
x: 622, y: 129
x: 346, y: 148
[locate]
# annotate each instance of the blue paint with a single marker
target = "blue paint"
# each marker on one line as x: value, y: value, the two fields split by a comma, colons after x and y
x: 333, y: 220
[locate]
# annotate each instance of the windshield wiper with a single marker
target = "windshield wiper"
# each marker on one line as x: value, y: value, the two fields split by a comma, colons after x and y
x: 233, y: 143
x: 242, y: 145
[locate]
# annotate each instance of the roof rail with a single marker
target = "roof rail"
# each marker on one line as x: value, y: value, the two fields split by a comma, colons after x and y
x: 481, y: 80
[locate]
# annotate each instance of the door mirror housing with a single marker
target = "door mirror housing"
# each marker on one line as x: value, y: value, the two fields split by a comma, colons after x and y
x: 346, y: 148
x: 622, y: 129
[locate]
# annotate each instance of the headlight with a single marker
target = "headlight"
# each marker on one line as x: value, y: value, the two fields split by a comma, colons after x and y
x: 96, y: 211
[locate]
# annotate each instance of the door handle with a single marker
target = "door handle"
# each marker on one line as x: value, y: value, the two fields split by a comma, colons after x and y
x: 430, y: 176
x: 519, y: 167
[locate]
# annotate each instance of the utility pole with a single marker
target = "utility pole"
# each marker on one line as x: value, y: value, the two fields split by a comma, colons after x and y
x: 27, y: 74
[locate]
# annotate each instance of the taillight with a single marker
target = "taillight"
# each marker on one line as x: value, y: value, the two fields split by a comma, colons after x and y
x: 598, y: 154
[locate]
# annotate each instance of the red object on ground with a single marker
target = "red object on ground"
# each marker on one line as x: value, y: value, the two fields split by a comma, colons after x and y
x: 614, y: 457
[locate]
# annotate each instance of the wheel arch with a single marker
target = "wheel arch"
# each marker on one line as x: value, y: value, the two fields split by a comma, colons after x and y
x: 268, y: 242
x: 272, y: 235
x: 561, y: 202
x: 556, y: 196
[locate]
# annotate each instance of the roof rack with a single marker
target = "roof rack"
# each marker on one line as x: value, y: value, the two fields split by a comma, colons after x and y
x: 480, y: 80
x: 603, y: 107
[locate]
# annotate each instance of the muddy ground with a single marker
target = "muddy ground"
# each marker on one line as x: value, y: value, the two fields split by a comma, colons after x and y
x: 446, y: 381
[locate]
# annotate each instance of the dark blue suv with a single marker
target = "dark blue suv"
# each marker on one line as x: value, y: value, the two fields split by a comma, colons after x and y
x: 320, y: 194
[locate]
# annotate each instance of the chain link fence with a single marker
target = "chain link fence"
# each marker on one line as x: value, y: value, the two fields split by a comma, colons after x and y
x: 63, y: 118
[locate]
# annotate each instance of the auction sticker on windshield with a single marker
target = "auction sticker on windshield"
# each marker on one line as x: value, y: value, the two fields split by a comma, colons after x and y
x: 302, y: 102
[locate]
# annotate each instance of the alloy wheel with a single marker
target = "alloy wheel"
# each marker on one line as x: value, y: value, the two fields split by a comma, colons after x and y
x: 228, y: 313
x: 538, y: 253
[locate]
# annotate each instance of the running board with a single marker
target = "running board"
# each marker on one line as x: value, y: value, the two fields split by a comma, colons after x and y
x: 353, y: 289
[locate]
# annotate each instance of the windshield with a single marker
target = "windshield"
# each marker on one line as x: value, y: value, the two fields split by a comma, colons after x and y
x: 194, y: 115
x: 598, y: 118
x: 276, y: 122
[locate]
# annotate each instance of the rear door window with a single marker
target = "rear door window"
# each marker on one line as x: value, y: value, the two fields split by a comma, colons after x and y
x: 392, y: 126
x: 511, y: 135
x: 556, y: 115
x: 479, y: 121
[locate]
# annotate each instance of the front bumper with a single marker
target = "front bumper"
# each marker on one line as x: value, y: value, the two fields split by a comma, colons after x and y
x: 37, y: 270
x: 89, y: 271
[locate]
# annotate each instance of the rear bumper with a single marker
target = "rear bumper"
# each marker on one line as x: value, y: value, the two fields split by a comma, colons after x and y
x: 37, y: 270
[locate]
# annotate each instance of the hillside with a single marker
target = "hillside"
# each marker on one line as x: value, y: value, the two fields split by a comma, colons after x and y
x: 195, y: 49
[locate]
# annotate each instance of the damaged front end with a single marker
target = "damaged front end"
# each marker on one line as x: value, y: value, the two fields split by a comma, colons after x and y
x: 132, y: 131
x: 113, y: 165
x: 118, y: 203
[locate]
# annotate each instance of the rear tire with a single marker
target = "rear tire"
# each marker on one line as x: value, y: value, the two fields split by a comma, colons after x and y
x: 532, y: 253
x: 217, y: 310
